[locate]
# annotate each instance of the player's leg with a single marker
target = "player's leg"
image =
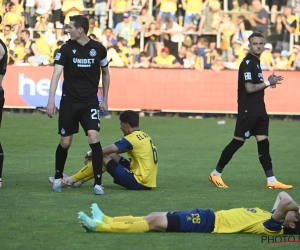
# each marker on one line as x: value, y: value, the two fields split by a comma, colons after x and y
x: 90, y: 121
x: 122, y: 175
x: 1, y: 149
x: 261, y: 133
x: 241, y: 132
x: 68, y: 124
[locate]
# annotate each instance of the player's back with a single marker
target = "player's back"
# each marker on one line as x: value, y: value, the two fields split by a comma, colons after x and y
x: 205, y: 53
x: 244, y: 220
x: 143, y: 158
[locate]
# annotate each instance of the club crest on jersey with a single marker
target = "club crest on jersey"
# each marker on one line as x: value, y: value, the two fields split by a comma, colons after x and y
x: 93, y: 52
x: 247, y: 76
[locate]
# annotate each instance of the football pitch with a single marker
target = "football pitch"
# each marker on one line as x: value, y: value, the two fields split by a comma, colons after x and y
x: 34, y: 217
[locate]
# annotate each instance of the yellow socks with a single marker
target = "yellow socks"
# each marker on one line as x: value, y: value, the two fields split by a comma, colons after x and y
x: 106, y: 219
x: 86, y: 173
x: 140, y: 226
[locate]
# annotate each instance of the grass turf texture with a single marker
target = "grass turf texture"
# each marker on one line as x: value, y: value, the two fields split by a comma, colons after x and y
x: 34, y: 217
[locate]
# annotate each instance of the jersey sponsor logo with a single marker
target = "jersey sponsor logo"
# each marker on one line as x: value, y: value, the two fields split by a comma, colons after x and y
x: 247, y: 61
x: 93, y: 52
x: 83, y: 63
x: 247, y: 76
x: 57, y: 56
x: 74, y: 51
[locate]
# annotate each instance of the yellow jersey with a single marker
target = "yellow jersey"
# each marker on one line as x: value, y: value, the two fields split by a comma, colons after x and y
x: 120, y: 6
x: 244, y: 220
x: 266, y: 58
x: 68, y: 5
x: 168, y: 6
x: 124, y: 53
x: 169, y: 60
x: 19, y: 53
x: 193, y: 6
x: 142, y: 154
x: 12, y: 18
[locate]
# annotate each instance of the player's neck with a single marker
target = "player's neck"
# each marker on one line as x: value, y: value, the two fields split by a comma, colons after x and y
x: 83, y: 40
x: 257, y: 56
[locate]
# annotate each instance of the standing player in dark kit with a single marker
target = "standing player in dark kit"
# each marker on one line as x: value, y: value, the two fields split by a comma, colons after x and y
x: 80, y: 58
x: 252, y: 116
x: 3, y: 64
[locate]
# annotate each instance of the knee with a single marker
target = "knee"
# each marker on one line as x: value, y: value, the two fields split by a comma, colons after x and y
x: 93, y: 136
x: 66, y: 143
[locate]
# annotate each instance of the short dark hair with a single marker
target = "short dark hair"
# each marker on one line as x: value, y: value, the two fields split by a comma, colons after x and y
x: 255, y: 34
x: 36, y: 35
x: 26, y: 32
x: 131, y: 117
x: 295, y: 230
x: 80, y: 21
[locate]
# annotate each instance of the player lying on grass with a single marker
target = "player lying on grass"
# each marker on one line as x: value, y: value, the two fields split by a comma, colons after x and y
x: 284, y: 219
x: 139, y: 173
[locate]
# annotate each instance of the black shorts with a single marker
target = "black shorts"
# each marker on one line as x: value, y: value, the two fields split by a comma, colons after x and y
x: 56, y: 14
x: 247, y: 126
x: 2, y: 100
x: 73, y: 113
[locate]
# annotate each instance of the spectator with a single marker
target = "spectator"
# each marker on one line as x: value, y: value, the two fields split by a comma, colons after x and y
x: 144, y: 19
x: 56, y: 48
x: 218, y: 64
x: 8, y: 34
x: 238, y: 55
x: 135, y: 8
x: 143, y: 61
x: 296, y: 65
x: 100, y: 12
x: 124, y: 52
x: 204, y: 55
x: 44, y: 7
x: 173, y: 35
x: 30, y: 14
x: 13, y: 18
x: 25, y: 36
x: 19, y: 52
x: 20, y: 10
x: 286, y: 25
x: 93, y: 29
x: 165, y: 60
x: 181, y: 55
x: 119, y: 8
x: 167, y: 11
x: 261, y: 18
x: 113, y: 57
x: 193, y: 10
x: 151, y: 40
x: 189, y: 60
x: 135, y: 53
x: 266, y: 59
x: 42, y: 24
x: 127, y: 29
x: 56, y: 13
x: 282, y: 62
x: 227, y: 29
x: 210, y: 23
x: 107, y: 38
x: 41, y: 51
x: 243, y: 30
x: 275, y: 5
x: 71, y: 8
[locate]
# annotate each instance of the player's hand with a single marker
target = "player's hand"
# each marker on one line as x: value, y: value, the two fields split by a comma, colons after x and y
x: 103, y: 107
x: 50, y: 110
x: 273, y: 79
x: 88, y: 157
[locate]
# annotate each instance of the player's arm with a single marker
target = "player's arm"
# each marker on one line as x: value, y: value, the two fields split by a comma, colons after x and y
x: 283, y: 204
x: 272, y: 81
x: 53, y: 85
x: 105, y: 86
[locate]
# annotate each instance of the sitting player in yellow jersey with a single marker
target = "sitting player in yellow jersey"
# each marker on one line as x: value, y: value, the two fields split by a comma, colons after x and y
x: 284, y: 219
x: 139, y: 173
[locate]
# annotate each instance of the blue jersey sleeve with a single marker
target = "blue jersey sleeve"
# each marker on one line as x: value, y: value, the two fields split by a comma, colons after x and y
x: 123, y: 144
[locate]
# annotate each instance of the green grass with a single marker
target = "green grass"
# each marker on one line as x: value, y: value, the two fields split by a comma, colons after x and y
x: 34, y: 217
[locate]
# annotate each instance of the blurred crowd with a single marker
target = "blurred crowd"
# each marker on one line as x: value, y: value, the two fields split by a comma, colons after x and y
x: 190, y: 34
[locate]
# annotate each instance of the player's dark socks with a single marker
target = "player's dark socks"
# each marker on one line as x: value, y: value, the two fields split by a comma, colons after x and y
x: 1, y: 160
x: 264, y: 156
x: 60, y: 160
x: 227, y: 153
x: 97, y: 159
x: 111, y: 167
x: 269, y: 173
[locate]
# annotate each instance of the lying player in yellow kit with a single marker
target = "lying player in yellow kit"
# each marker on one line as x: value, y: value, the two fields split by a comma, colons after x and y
x: 139, y: 173
x: 284, y: 219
